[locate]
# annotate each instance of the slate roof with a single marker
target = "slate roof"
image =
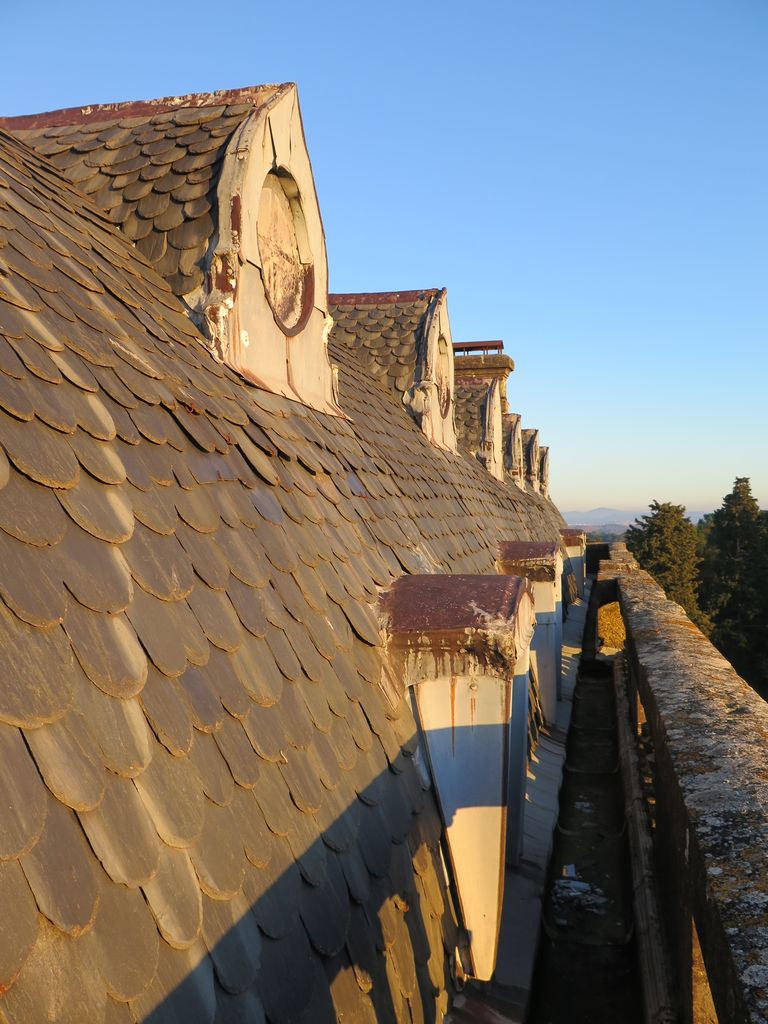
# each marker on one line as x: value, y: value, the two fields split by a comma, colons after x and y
x: 471, y: 394
x: 370, y: 329
x: 152, y: 167
x: 450, y: 510
x: 213, y: 811
x: 385, y: 330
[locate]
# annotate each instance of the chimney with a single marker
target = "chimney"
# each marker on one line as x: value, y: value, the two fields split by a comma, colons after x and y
x: 483, y: 360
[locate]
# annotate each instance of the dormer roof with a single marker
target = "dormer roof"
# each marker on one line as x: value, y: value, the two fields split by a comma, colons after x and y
x: 216, y: 191
x: 151, y: 166
x: 479, y: 421
x: 535, y: 560
x: 403, y: 340
x: 573, y: 536
x: 471, y: 395
x: 385, y: 330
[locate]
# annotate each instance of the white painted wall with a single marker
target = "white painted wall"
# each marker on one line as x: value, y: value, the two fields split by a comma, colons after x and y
x: 432, y: 396
x: 518, y: 759
x: 242, y: 323
x: 465, y: 728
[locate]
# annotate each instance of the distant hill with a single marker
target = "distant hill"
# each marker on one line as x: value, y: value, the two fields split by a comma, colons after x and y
x: 600, y: 516
x: 613, y: 520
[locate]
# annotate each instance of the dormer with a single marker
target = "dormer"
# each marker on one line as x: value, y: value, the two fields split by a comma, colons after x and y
x: 544, y: 471
x: 267, y: 304
x: 216, y: 191
x: 514, y: 462
x: 460, y: 647
x: 481, y: 371
x: 575, y: 544
x: 541, y: 563
x: 531, y: 458
x: 491, y: 452
x: 403, y: 339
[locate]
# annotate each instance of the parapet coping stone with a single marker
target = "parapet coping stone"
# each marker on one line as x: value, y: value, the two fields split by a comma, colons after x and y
x: 715, y: 727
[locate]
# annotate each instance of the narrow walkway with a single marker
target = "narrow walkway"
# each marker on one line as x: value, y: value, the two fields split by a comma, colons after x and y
x: 586, y: 970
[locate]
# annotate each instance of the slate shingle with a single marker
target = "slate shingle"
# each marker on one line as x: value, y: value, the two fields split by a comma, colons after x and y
x: 469, y: 405
x: 385, y: 331
x: 153, y: 174
x: 213, y: 553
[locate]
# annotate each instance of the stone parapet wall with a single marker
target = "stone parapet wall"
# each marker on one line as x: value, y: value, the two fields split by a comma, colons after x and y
x: 710, y: 735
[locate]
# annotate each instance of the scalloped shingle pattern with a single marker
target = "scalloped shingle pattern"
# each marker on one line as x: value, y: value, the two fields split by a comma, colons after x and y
x: 154, y: 175
x: 212, y: 812
x: 385, y: 335
x: 471, y: 394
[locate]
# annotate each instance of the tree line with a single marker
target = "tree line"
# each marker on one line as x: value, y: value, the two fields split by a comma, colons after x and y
x: 717, y: 570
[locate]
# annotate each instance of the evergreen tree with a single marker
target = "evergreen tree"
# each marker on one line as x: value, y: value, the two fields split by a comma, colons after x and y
x: 705, y: 549
x: 735, y: 582
x: 665, y: 544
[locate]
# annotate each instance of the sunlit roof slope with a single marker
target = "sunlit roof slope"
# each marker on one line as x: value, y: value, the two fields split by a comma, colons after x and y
x: 151, y: 166
x: 214, y: 812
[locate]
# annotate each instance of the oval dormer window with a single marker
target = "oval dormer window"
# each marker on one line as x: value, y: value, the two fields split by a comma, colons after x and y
x: 286, y: 260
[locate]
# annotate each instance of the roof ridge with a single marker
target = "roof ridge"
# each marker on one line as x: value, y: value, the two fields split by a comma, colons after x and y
x: 372, y: 298
x: 134, y: 108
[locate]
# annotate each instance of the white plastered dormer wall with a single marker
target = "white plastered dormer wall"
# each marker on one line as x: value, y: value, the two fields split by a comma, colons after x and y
x: 460, y: 645
x: 544, y: 471
x: 266, y: 311
x: 531, y: 449
x: 432, y: 397
x: 515, y: 465
x: 491, y: 451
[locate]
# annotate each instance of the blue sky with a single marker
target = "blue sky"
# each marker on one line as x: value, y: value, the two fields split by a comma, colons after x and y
x: 589, y: 180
